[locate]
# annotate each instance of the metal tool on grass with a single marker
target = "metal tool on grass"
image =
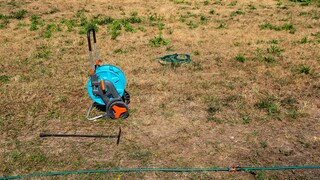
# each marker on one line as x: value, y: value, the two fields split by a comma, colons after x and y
x: 106, y: 86
x: 83, y: 135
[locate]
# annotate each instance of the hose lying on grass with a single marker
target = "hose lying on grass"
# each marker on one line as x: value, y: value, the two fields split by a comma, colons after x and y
x: 232, y: 169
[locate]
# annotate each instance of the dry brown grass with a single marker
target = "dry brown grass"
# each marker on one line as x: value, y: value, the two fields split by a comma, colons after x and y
x: 205, y: 114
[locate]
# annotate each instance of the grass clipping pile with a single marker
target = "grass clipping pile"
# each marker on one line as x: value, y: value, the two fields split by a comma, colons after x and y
x: 249, y: 97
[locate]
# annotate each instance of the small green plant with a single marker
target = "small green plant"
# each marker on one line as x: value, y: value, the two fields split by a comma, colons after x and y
x: 142, y: 29
x: 20, y: 14
x: 2, y: 16
x: 54, y: 10
x: 35, y: 21
x: 203, y: 20
x: 212, y: 11
x: 304, y: 13
x: 4, y: 78
x: 251, y: 7
x: 240, y: 58
x: 178, y: 1
x: 88, y: 24
x: 316, y: 16
x: 115, y: 26
x: 196, y: 52
x: 222, y: 25
x: 274, y: 50
x: 269, y: 105
x: 114, y: 29
x: 263, y: 144
x: 218, y: 2
x: 273, y: 41
x: 134, y: 13
x: 80, y: 13
x: 154, y: 19
x: 129, y: 28
x: 192, y: 24
x: 4, y: 21
x: 268, y: 59
x: 303, y: 69
x: 286, y: 27
x: 304, y: 40
x: 206, y: 3
x: 233, y: 3
x: 182, y: 19
x: 267, y: 25
x: 161, y: 26
x: 134, y: 19
x: 50, y: 28
x: 258, y: 53
x: 70, y: 23
x: 245, y: 119
x: 119, y: 51
x: 158, y: 41
x: 104, y: 20
x: 280, y: 5
x: 85, y: 23
x: 317, y: 39
x: 12, y: 3
x: 260, y: 42
x: 33, y: 27
x: 169, y: 48
x: 43, y: 52
x: 20, y: 25
x: 237, y: 12
x: 317, y: 35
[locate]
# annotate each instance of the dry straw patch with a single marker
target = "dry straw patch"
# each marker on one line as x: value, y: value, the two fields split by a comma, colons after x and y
x: 249, y: 97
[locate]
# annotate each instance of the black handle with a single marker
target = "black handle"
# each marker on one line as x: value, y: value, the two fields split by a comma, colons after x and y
x: 88, y: 37
x: 119, y: 135
x: 83, y: 135
x: 76, y: 135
